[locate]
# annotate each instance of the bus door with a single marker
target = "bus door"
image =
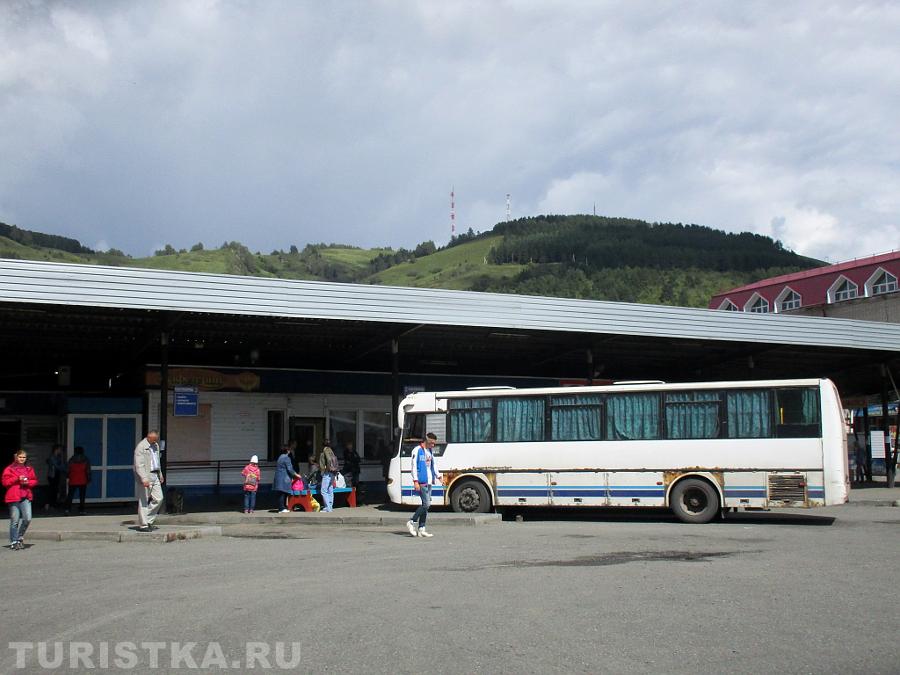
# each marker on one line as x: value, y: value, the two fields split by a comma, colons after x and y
x: 578, y: 488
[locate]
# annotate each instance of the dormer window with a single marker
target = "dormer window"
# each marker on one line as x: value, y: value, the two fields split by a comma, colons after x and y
x: 846, y: 290
x: 728, y: 306
x: 884, y: 283
x: 788, y: 299
x: 759, y: 305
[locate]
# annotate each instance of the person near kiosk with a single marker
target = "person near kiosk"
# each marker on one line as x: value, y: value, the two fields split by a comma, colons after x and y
x: 149, y: 479
x: 79, y: 471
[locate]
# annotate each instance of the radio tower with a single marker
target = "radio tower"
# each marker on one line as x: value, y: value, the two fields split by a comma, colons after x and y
x: 507, y: 207
x: 452, y: 212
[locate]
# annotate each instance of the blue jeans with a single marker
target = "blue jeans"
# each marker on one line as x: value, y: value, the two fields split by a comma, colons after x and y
x: 19, y: 519
x: 328, y: 491
x: 249, y: 500
x: 422, y: 512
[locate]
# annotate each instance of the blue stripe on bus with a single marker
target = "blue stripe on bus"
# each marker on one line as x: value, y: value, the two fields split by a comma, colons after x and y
x: 639, y: 492
x: 758, y: 494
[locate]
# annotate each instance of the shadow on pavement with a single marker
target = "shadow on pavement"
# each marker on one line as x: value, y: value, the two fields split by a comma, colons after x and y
x: 658, y: 515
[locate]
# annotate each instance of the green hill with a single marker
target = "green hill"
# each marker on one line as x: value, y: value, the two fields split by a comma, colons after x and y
x: 565, y: 256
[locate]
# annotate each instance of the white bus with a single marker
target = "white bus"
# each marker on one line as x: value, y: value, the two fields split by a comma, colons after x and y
x: 696, y: 448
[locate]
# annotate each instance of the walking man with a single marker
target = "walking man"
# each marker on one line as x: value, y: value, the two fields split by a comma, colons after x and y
x: 148, y: 478
x: 424, y: 474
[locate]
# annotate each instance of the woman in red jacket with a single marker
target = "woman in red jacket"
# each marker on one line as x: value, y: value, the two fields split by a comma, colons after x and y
x: 19, y: 479
x: 79, y: 470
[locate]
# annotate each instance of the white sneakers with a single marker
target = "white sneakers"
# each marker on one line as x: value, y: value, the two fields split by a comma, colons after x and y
x: 284, y: 511
x: 411, y: 526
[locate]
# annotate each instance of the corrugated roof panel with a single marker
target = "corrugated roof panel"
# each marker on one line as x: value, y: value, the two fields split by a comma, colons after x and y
x: 132, y: 288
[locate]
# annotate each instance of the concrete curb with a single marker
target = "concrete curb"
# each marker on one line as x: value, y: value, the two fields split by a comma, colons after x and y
x: 874, y: 502
x: 323, y: 519
x: 129, y: 536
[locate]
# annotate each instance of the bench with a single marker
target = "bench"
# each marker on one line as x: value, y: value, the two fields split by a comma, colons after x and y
x: 304, y: 499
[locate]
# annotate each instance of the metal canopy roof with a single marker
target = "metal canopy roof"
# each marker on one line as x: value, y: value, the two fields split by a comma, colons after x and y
x: 144, y: 289
x: 107, y: 319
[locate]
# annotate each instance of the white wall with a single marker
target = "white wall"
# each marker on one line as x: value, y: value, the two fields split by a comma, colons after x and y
x: 239, y: 420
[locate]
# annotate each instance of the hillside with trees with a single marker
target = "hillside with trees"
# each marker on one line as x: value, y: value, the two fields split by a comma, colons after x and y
x: 590, y: 257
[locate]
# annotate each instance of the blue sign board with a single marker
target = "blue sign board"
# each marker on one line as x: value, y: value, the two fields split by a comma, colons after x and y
x: 185, y: 404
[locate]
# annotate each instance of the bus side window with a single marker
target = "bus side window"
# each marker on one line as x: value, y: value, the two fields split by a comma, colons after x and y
x: 692, y: 414
x: 749, y: 413
x: 436, y: 423
x: 471, y: 420
x: 797, y: 413
x: 632, y: 417
x: 417, y: 425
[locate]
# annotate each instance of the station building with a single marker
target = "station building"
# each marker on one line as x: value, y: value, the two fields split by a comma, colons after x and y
x: 865, y: 288
x: 229, y: 366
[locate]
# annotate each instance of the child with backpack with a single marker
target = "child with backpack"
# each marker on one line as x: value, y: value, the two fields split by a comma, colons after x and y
x: 251, y: 474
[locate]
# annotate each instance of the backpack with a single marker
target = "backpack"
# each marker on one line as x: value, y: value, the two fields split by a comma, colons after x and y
x: 251, y: 479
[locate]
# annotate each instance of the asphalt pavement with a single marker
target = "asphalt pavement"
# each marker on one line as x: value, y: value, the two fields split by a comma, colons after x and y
x: 793, y: 591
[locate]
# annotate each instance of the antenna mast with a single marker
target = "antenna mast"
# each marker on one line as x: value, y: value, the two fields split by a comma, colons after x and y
x: 507, y: 207
x: 452, y: 212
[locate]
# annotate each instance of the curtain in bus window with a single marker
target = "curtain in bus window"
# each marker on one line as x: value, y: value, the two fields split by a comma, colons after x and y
x: 520, y: 419
x: 470, y: 420
x: 575, y: 418
x: 692, y: 414
x: 632, y: 416
x: 749, y: 414
x: 810, y: 406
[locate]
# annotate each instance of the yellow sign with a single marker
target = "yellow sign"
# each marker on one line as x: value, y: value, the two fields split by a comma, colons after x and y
x: 205, y: 379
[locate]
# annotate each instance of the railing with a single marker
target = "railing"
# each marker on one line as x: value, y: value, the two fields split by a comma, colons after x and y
x: 370, y: 470
x: 218, y: 465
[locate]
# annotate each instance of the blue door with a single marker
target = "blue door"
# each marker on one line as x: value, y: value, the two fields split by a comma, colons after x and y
x: 108, y: 442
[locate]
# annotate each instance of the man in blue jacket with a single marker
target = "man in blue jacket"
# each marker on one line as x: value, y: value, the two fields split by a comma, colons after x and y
x: 424, y: 474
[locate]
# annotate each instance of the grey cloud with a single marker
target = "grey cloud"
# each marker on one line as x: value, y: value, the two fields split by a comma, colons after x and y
x: 279, y: 123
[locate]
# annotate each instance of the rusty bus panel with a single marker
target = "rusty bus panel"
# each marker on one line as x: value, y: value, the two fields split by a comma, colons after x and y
x: 671, y: 476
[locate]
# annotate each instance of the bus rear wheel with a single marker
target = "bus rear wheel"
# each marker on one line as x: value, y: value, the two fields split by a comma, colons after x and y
x: 694, y: 501
x: 470, y: 496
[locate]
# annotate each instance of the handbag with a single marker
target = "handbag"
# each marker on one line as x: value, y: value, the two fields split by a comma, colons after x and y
x: 340, y: 481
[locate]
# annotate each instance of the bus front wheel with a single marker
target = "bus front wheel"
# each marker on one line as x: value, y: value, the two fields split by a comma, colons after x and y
x: 470, y: 496
x: 694, y: 501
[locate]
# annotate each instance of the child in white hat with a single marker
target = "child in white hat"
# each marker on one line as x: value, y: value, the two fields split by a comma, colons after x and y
x: 251, y: 476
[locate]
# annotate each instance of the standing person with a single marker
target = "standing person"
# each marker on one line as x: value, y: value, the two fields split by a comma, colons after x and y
x: 352, y: 463
x: 295, y: 459
x: 329, y: 465
x: 252, y: 475
x: 18, y: 479
x: 149, y: 480
x: 56, y: 475
x: 79, y: 470
x: 424, y: 474
x: 860, y: 458
x: 284, y: 476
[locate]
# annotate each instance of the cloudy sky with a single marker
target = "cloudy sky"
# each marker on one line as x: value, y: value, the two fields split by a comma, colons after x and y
x: 134, y: 124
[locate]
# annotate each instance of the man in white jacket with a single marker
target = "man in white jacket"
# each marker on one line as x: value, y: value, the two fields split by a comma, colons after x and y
x: 424, y: 474
x: 148, y: 479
